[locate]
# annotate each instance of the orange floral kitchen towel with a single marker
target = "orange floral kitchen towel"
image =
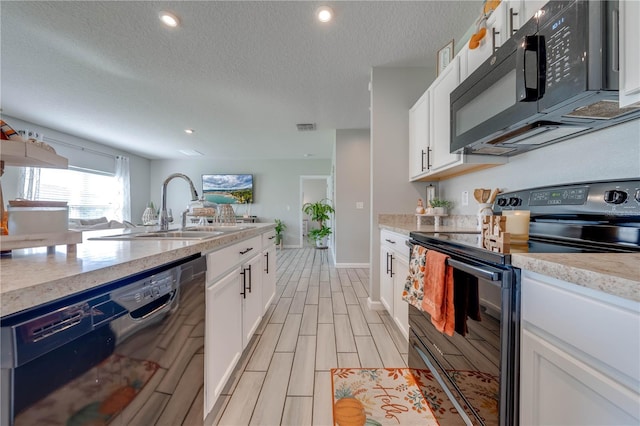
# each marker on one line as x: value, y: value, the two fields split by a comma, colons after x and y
x: 414, y: 285
x: 437, y: 300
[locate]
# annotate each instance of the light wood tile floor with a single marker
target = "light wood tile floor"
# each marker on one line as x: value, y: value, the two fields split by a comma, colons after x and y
x: 318, y: 320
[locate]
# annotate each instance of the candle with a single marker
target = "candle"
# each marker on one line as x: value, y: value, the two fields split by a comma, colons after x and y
x: 517, y: 225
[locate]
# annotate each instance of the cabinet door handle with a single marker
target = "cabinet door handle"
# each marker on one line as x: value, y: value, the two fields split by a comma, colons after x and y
x: 493, y: 38
x: 391, y: 267
x: 422, y: 159
x: 387, y: 263
x: 615, y: 41
x: 428, y: 158
x: 244, y: 284
x: 272, y: 237
x: 267, y: 268
x: 247, y: 250
x: 511, y: 15
x: 249, y: 270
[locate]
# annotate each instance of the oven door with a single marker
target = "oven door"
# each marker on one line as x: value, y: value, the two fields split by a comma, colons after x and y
x: 476, y: 371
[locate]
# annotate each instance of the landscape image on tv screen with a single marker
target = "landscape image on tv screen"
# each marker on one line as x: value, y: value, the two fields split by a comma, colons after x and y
x: 228, y: 188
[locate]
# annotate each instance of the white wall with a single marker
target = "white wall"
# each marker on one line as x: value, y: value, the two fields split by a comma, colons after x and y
x: 393, y: 93
x: 352, y: 181
x: 94, y: 157
x: 611, y: 153
x: 276, y: 186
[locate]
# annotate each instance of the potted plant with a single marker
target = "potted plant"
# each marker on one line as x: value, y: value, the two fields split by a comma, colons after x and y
x: 319, y: 211
x: 440, y: 206
x: 280, y: 227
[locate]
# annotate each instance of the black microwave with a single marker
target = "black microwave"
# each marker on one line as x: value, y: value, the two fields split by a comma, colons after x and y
x: 555, y: 78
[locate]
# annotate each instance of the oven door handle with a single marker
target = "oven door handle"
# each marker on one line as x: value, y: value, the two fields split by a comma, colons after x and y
x: 475, y: 270
x: 491, y: 275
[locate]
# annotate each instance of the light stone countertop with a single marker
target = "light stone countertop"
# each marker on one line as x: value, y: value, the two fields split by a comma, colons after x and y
x: 613, y: 273
x: 31, y: 277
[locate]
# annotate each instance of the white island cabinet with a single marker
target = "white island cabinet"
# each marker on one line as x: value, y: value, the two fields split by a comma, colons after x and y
x: 580, y: 355
x: 235, y: 305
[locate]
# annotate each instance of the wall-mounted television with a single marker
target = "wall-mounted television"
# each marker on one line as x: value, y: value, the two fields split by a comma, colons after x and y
x: 228, y: 188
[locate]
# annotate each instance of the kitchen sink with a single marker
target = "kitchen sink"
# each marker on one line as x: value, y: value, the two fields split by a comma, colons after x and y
x: 180, y: 235
x: 216, y: 228
x: 162, y: 235
x: 189, y: 233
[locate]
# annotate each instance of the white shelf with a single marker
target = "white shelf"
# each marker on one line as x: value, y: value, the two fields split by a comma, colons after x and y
x: 28, y: 154
x: 436, y: 218
x: 47, y: 239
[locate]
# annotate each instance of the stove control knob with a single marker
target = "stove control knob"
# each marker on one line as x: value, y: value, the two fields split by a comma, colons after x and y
x: 615, y: 197
x: 637, y: 197
x: 503, y: 201
x: 515, y: 201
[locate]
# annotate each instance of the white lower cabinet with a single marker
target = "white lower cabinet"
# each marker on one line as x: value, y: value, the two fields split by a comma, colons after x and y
x: 394, y: 268
x: 240, y: 285
x: 386, y: 280
x: 269, y: 269
x: 223, y: 334
x: 579, y: 355
x: 251, y: 290
x: 400, y: 307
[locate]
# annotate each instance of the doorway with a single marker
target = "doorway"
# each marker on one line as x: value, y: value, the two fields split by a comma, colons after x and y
x: 312, y: 188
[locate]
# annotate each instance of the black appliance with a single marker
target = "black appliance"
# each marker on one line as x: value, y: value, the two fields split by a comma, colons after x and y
x: 556, y: 77
x: 70, y: 361
x: 596, y: 217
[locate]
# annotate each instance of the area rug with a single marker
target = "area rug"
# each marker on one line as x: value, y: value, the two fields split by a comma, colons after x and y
x: 95, y: 397
x: 378, y: 396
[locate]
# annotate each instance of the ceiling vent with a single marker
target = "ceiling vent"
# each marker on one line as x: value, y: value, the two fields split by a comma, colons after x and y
x: 306, y: 127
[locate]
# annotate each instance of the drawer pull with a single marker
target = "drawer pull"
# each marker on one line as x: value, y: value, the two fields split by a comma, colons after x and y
x: 246, y: 251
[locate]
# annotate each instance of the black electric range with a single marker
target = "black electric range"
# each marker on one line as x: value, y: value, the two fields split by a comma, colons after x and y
x: 595, y: 217
x: 592, y: 217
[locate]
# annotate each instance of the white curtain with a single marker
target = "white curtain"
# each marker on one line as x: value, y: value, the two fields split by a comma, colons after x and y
x: 122, y: 205
x: 29, y: 183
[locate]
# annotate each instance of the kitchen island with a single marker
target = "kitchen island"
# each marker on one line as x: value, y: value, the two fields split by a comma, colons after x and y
x: 31, y: 277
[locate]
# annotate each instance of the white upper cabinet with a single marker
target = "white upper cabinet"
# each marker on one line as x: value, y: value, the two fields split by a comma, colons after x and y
x: 629, y: 52
x: 508, y: 17
x: 419, y: 137
x: 440, y: 116
x: 520, y: 11
x: 430, y: 133
x: 497, y: 33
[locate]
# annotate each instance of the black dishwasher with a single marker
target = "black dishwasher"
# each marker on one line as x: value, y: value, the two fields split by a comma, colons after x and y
x: 84, y: 359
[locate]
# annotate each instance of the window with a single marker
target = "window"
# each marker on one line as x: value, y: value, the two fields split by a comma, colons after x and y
x: 89, y: 194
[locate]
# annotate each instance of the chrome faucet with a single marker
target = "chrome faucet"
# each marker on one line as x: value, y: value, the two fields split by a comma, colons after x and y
x: 164, y: 219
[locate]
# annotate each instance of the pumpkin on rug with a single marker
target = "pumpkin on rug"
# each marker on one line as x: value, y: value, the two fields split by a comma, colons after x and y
x: 94, y: 398
x: 377, y: 397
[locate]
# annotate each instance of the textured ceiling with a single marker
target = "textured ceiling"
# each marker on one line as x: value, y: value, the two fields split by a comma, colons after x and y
x: 242, y: 74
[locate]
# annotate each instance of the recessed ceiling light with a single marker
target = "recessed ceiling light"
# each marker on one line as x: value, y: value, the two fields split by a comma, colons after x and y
x: 324, y: 14
x: 191, y: 152
x: 169, y: 19
x: 189, y: 131
x: 308, y: 155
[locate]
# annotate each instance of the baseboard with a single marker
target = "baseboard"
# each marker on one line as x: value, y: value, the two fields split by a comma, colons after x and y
x: 352, y: 265
x: 375, y: 306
